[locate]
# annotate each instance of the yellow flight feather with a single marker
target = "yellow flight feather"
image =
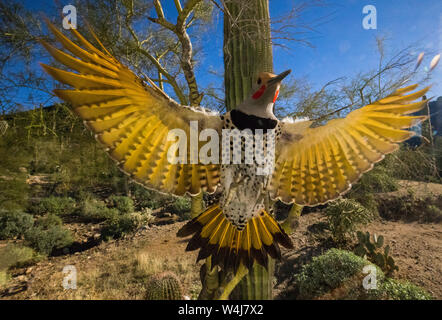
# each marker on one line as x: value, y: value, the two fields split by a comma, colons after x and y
x: 322, y: 164
x: 130, y: 119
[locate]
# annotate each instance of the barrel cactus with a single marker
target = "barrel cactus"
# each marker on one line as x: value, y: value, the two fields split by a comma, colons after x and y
x: 164, y: 286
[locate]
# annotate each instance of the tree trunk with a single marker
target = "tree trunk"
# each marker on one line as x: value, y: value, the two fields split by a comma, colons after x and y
x: 247, y: 51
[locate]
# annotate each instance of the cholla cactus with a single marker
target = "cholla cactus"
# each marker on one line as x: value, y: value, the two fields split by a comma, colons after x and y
x: 164, y: 286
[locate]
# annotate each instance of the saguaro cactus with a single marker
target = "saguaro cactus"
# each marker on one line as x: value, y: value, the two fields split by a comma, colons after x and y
x: 247, y: 47
x: 247, y: 51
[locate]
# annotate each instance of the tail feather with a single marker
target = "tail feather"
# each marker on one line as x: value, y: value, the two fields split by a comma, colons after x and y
x: 215, y: 236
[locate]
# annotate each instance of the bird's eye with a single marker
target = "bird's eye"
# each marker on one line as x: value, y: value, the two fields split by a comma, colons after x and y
x: 259, y: 81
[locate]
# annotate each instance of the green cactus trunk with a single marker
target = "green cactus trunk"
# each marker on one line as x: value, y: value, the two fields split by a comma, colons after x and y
x: 197, y: 205
x: 248, y: 51
x: 257, y: 285
x: 247, y: 47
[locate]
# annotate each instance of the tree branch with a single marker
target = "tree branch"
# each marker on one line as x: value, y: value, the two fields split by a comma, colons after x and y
x: 161, y: 70
x: 179, y: 29
x: 178, y: 6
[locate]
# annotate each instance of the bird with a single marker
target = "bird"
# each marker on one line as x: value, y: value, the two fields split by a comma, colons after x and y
x: 310, y: 165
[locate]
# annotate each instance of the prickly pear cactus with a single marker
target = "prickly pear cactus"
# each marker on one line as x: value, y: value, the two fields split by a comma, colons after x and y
x: 373, y: 251
x: 164, y: 286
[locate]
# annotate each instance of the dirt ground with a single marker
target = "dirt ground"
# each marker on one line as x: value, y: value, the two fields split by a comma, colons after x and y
x: 416, y: 248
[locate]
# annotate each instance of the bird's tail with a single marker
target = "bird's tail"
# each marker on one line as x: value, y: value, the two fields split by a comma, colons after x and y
x: 216, y: 236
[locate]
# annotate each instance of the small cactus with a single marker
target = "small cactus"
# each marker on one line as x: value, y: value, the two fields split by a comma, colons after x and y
x: 164, y: 286
x: 372, y: 251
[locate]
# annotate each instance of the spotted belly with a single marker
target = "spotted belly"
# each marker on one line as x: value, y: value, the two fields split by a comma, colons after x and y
x: 244, y: 190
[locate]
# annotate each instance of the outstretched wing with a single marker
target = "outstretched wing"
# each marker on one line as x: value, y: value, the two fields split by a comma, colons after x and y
x: 316, y: 165
x: 132, y: 120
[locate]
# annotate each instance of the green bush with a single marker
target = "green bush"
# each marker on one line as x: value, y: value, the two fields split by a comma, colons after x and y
x: 379, y: 179
x: 329, y: 271
x: 344, y: 216
x: 181, y: 206
x: 17, y: 256
x: 412, y: 164
x: 55, y: 205
x: 410, y: 207
x: 94, y: 210
x: 14, y: 224
x: 48, y: 221
x: 14, y: 191
x: 433, y: 213
x: 142, y: 217
x: 392, y: 289
x: 45, y: 240
x: 117, y: 226
x: 145, y: 198
x: 338, y: 274
x: 122, y: 203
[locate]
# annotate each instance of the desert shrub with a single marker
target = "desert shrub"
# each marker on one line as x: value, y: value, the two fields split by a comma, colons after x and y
x: 412, y: 164
x: 392, y: 289
x: 145, y: 198
x: 181, y: 206
x: 122, y: 203
x: 17, y: 256
x: 13, y: 191
x: 344, y: 216
x: 55, y: 205
x: 14, y: 223
x: 142, y: 217
x: 96, y: 210
x: 378, y: 180
x: 338, y: 274
x: 411, y: 207
x: 117, y: 226
x: 329, y: 271
x: 45, y: 240
x: 433, y: 213
x: 48, y: 221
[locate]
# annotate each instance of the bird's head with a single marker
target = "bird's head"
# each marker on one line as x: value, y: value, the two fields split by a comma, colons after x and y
x: 264, y: 93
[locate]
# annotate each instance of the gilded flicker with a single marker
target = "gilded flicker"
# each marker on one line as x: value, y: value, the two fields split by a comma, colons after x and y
x: 311, y: 166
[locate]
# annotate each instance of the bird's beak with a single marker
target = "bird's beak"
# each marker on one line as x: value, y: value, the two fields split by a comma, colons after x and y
x: 278, y: 78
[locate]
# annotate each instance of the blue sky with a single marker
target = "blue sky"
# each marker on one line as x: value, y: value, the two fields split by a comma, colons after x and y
x: 342, y: 47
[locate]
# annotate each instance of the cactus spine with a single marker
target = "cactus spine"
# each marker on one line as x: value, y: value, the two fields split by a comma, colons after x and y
x: 164, y: 286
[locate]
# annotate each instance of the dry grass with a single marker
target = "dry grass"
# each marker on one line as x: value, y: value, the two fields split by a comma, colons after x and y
x: 116, y: 270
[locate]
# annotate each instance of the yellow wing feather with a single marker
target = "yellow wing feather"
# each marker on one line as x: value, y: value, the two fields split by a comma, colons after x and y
x: 129, y: 118
x: 316, y: 165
